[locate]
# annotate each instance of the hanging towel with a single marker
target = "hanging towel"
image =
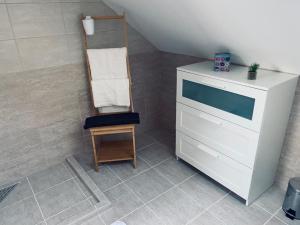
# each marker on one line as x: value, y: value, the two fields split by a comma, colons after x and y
x: 108, y: 63
x: 111, y: 92
x: 114, y: 109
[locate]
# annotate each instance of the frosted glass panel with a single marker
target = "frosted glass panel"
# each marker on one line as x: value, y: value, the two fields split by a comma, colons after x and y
x: 227, y: 101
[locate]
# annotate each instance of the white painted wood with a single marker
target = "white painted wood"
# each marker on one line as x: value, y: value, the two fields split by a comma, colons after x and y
x: 266, y: 31
x: 276, y: 116
x: 226, y: 171
x: 258, y: 95
x: 266, y: 79
x: 252, y: 147
x: 230, y: 139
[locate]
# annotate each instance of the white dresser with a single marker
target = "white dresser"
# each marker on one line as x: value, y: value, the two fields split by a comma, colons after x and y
x: 231, y: 128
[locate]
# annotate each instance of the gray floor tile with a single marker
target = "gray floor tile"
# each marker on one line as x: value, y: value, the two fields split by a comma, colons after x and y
x: 275, y: 221
x: 175, y: 207
x: 281, y: 215
x: 206, y: 219
x: 148, y: 185
x: 95, y: 220
x: 85, y: 160
x: 155, y: 153
x: 125, y: 170
x: 24, y: 213
x: 82, y: 187
x: 272, y: 199
x: 42, y: 223
x: 21, y: 191
x: 49, y: 177
x: 204, y: 190
x: 175, y: 170
x: 143, y: 140
x: 104, y: 179
x: 72, y: 214
x: 232, y: 211
x: 142, y: 216
x: 165, y: 137
x: 59, y: 198
x: 123, y: 202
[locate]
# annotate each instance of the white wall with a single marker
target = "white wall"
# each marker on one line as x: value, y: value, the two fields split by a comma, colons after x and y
x: 266, y: 32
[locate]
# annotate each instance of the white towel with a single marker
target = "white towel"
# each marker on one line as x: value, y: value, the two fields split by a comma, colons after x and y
x: 108, y: 63
x: 111, y: 92
x: 114, y: 109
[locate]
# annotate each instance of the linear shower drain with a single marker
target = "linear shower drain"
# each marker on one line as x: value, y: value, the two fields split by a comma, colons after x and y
x: 4, y: 192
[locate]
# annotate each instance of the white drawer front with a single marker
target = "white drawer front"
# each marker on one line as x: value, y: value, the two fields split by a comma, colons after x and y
x: 231, y: 174
x: 232, y: 140
x: 236, y: 103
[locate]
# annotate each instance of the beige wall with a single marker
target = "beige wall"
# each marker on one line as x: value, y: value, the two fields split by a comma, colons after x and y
x: 43, y: 90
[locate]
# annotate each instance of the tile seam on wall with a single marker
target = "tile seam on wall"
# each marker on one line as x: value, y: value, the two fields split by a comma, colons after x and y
x: 14, y: 37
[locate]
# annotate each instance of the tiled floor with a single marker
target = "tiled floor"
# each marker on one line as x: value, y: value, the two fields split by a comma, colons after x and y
x: 161, y: 191
x: 52, y: 196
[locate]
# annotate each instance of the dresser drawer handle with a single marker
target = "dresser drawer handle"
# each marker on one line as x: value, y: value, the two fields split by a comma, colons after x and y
x: 213, y: 85
x: 208, y: 150
x: 217, y: 122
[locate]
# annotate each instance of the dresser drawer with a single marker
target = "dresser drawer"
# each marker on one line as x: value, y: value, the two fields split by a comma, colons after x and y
x: 233, y: 102
x: 226, y: 171
x: 232, y: 140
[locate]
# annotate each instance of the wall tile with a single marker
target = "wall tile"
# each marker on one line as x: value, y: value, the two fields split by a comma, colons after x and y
x: 9, y: 59
x: 95, y: 8
x: 106, y: 39
x: 44, y: 102
x: 36, y: 20
x: 18, y: 1
x: 71, y: 14
x: 43, y: 52
x: 5, y: 28
x: 76, y: 53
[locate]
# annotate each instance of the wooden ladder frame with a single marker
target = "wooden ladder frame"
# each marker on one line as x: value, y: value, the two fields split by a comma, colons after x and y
x: 110, y: 151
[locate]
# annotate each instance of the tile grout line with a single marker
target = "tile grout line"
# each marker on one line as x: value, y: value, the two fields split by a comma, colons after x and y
x: 87, y: 198
x: 16, y: 203
x: 77, y: 203
x: 47, y: 189
x: 208, y: 208
x: 132, y: 191
x: 123, y: 181
x: 154, y: 213
x: 174, y: 184
x: 278, y: 218
x: 273, y: 215
x: 146, y: 146
x: 146, y: 203
x: 261, y: 207
x: 127, y: 186
x: 15, y: 39
x: 44, y: 220
x: 90, y: 202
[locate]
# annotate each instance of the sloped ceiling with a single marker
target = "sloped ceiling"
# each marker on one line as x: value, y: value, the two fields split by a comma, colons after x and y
x: 267, y: 32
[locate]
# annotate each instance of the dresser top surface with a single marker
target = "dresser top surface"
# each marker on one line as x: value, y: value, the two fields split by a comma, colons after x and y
x: 266, y: 79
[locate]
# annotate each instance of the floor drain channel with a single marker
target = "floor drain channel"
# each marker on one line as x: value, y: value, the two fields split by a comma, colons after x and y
x: 4, y: 192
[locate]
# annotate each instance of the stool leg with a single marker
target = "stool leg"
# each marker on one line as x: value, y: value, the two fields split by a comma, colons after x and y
x: 95, y: 154
x: 134, y: 150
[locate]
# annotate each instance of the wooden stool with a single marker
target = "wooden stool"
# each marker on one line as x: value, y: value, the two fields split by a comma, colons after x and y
x: 110, y: 151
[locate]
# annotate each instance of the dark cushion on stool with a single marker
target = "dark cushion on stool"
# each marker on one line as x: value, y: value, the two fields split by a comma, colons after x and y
x: 111, y: 120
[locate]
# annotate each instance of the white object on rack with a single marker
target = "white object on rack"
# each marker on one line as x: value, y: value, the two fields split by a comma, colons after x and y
x: 88, y: 24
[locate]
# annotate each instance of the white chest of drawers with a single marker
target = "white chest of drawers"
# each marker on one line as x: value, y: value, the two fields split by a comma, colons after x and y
x: 231, y: 128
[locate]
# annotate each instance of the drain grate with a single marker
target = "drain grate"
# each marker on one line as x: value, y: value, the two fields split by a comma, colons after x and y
x: 4, y: 192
